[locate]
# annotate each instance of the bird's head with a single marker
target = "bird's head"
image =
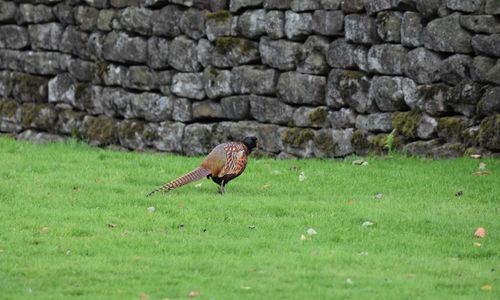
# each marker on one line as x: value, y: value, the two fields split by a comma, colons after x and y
x: 251, y: 142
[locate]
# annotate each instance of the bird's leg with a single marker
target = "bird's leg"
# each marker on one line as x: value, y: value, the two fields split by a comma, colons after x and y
x: 221, y: 188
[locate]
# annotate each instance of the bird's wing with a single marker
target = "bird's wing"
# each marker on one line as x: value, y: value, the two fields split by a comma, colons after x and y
x: 215, y: 160
x: 236, y: 159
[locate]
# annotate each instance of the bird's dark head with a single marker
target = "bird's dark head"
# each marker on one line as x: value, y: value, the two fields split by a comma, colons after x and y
x: 251, y: 142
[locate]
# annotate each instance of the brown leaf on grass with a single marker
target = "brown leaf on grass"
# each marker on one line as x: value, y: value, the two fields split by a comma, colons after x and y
x: 266, y: 186
x: 294, y: 168
x: 44, y: 230
x: 350, y: 202
x: 482, y: 173
x: 143, y: 296
x: 112, y: 225
x: 76, y: 189
x: 193, y: 294
x: 487, y: 288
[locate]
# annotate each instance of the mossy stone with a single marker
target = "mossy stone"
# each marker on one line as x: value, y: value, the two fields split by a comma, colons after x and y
x: 102, y: 130
x: 489, y: 132
x: 318, y: 116
x: 227, y: 44
x: 325, y: 143
x: 128, y: 129
x: 451, y: 128
x: 220, y: 16
x: 8, y: 108
x: 406, y: 123
x: 100, y: 70
x: 29, y: 112
x: 297, y: 137
x: 359, y: 141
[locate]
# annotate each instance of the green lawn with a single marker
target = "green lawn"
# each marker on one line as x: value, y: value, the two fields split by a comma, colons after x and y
x: 75, y: 224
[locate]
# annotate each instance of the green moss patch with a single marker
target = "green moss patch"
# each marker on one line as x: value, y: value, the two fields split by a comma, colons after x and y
x: 324, y: 142
x: 297, y: 137
x: 8, y: 108
x: 406, y: 123
x: 102, y: 130
x: 227, y: 44
x: 221, y: 16
x: 489, y: 132
x: 318, y: 116
x: 451, y: 128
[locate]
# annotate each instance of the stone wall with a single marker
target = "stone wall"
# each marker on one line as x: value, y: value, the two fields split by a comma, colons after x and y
x: 322, y: 78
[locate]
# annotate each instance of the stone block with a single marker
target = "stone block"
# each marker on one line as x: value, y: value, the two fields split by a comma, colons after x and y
x: 390, y: 92
x: 386, y: 59
x: 446, y: 35
x: 275, y: 24
x: 192, y: 23
x: 311, y: 117
x: 217, y: 83
x: 376, y: 122
x: 254, y: 80
x: 158, y: 49
x: 349, y: 88
x: 343, y: 118
x: 252, y: 23
x: 361, y: 29
x: 137, y: 20
x: 480, y: 23
x: 422, y: 65
x: 280, y: 54
x: 389, y: 26
x: 411, y: 29
x: 299, y: 88
x: 29, y: 13
x: 298, y: 25
x: 237, y: 5
x: 270, y: 110
x: 166, y: 21
x: 469, y: 6
x: 188, y: 85
x: 207, y: 109
x: 236, y: 107
x: 45, y: 36
x: 455, y: 69
x: 486, y: 44
x: 182, y: 55
x: 14, y: 37
x: 167, y: 136
x: 327, y: 22
x: 121, y: 47
x: 233, y: 51
x: 86, y: 17
x: 219, y: 24
x: 29, y: 88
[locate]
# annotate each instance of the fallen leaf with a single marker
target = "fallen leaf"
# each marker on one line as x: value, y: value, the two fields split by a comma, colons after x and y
x: 476, y: 244
x: 251, y: 227
x: 480, y: 232
x: 349, y: 202
x: 193, y: 294
x: 266, y: 186
x: 311, y: 231
x: 76, y: 189
x: 125, y: 233
x: 44, y: 230
x: 364, y: 253
x: 365, y: 163
x: 68, y: 252
x: 245, y: 287
x: 476, y: 156
x: 275, y: 172
x: 410, y: 275
x: 198, y: 185
x: 367, y: 224
x: 482, y: 173
x: 482, y: 166
x: 358, y: 162
x: 349, y: 281
x: 143, y: 296
x: 487, y: 288
x: 379, y: 196
x: 459, y: 194
x: 151, y: 209
x: 303, y: 237
x: 112, y: 225
x: 302, y: 176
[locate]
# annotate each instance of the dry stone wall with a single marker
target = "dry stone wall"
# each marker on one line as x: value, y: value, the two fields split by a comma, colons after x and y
x: 324, y: 78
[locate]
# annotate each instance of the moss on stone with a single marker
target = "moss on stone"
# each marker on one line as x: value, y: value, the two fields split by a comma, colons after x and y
x: 383, y: 17
x: 220, y: 16
x: 226, y: 44
x: 489, y: 132
x: 101, y: 69
x: 102, y: 130
x: 406, y: 123
x: 323, y: 141
x: 429, y: 92
x: 318, y: 116
x: 29, y: 112
x: 297, y: 137
x: 128, y: 129
x: 348, y: 85
x: 8, y: 108
x: 451, y: 128
x: 359, y: 140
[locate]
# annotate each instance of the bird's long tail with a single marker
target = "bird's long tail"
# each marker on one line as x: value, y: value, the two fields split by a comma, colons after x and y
x: 194, y: 175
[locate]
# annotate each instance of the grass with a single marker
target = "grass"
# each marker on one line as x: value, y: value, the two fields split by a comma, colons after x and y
x: 58, y: 201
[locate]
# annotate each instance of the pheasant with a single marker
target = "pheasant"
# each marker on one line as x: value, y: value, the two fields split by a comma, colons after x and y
x: 224, y: 163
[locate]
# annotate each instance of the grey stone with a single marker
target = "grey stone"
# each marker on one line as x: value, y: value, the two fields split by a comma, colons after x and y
x: 111, y: 74
x: 11, y: 59
x: 189, y: 85
x: 480, y: 23
x: 137, y: 20
x: 182, y: 55
x: 316, y: 43
x: 275, y: 24
x: 361, y: 29
x: 298, y: 25
x: 8, y: 11
x: 36, y: 137
x: 333, y: 143
x: 121, y: 47
x: 167, y: 136
x: 217, y: 83
x: 95, y: 45
x: 386, y: 59
x: 349, y: 88
x: 389, y: 92
x: 353, y: 6
x: 444, y: 11
x: 389, y: 26
x: 192, y: 23
x: 299, y: 142
x: 70, y: 122
x: 62, y: 89
x: 236, y: 5
x: 182, y: 111
x: 342, y: 54
x: 254, y: 80
x: 95, y: 3
x: 376, y: 122
x: 299, y: 88
x: 492, y: 7
x: 493, y: 75
x: 304, y: 5
x: 375, y: 6
x: 204, y: 51
x: 427, y: 127
x: 232, y: 51
x: 43, y: 63
x: 277, y: 4
x: 131, y: 134
x: 64, y: 13
x: 448, y: 150
x: 29, y: 13
x: 86, y: 17
x: 5, y: 83
x: 480, y: 67
x: 489, y: 133
x: 343, y: 118
x: 446, y: 35
x: 270, y: 110
x: 38, y: 116
x: 490, y: 102
x: 487, y: 44
x: 252, y: 23
x: 314, y: 63
x: 464, y: 97
x: 216, y: 5
x: 93, y: 104
x: 140, y: 78
x: 330, y: 4
x: 220, y: 23
x: 420, y: 148
x: 14, y: 37
x: 422, y: 65
x: 311, y: 117
x: 455, y: 69
x: 45, y: 36
x: 280, y: 54
x: 123, y: 3
x: 465, y: 6
x: 207, y: 109
x: 411, y: 29
x: 327, y: 22
x: 433, y: 99
x: 428, y: 8
x: 74, y: 42
x: 10, y: 116
x: 236, y: 107
x: 158, y: 49
x: 105, y: 19
x: 100, y: 131
x: 166, y: 21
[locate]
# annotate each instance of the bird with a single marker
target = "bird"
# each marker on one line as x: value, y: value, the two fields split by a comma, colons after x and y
x: 224, y: 163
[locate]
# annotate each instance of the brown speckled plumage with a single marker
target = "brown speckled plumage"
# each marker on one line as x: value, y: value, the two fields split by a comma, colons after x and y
x: 224, y: 163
